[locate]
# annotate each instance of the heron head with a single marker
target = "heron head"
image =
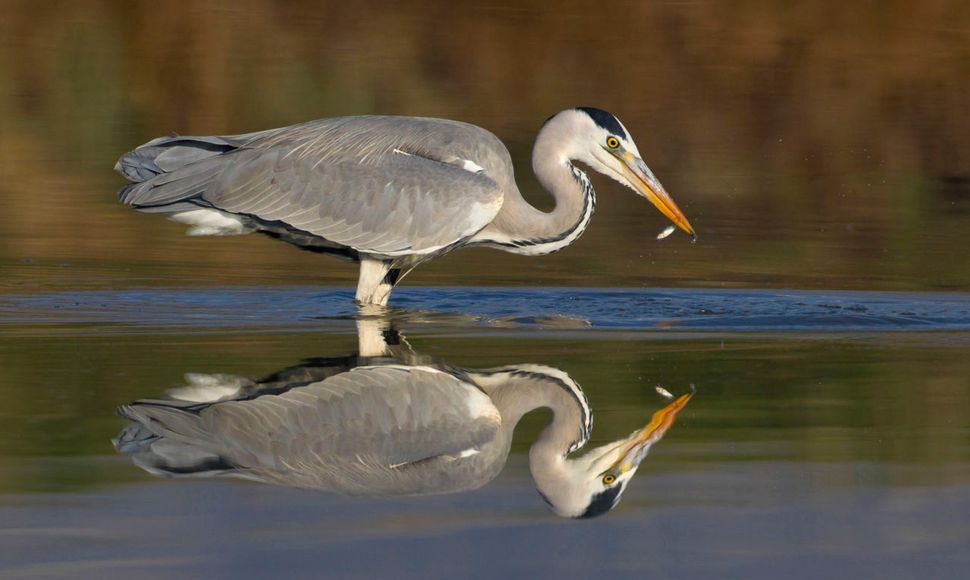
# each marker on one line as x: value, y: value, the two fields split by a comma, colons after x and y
x: 591, y: 485
x: 598, y: 139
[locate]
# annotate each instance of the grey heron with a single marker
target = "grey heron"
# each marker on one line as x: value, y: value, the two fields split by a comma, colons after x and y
x: 387, y: 425
x: 389, y: 192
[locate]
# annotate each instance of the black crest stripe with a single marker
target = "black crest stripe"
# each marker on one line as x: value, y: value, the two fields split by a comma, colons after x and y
x: 605, y: 120
x: 602, y: 502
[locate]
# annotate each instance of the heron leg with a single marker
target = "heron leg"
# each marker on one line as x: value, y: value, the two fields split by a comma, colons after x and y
x: 374, y: 286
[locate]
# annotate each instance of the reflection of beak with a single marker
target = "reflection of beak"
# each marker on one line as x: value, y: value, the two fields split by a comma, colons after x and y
x: 635, y: 448
x: 646, y: 184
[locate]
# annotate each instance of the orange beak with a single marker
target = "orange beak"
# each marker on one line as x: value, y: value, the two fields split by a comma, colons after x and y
x: 643, y: 181
x: 639, y: 443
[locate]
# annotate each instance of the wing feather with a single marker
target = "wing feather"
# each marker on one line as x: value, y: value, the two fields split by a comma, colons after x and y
x: 392, y: 415
x: 405, y: 205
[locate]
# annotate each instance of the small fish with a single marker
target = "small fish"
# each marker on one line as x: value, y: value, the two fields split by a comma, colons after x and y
x: 664, y: 393
x: 666, y: 232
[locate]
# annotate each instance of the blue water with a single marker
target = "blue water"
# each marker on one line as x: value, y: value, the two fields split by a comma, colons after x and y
x: 313, y: 308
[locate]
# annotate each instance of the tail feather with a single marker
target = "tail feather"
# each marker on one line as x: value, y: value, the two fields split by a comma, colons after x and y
x: 149, y: 167
x: 166, y: 154
x: 175, y: 420
x: 168, y: 440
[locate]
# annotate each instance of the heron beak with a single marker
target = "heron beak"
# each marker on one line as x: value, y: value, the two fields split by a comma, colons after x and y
x: 646, y: 184
x: 638, y: 444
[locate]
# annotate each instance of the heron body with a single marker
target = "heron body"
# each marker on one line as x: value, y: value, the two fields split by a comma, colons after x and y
x: 389, y: 192
x: 386, y: 426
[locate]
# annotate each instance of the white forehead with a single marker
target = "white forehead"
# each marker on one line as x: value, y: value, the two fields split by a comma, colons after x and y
x: 601, y: 125
x: 581, y: 134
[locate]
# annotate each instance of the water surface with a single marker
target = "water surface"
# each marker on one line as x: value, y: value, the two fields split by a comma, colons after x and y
x: 565, y: 308
x: 843, y: 450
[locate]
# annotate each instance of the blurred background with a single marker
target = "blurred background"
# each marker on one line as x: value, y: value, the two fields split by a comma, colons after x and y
x: 818, y: 145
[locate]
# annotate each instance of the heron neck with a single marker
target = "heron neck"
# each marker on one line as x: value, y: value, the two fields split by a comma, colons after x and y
x: 517, y: 391
x: 523, y: 229
x: 548, y: 463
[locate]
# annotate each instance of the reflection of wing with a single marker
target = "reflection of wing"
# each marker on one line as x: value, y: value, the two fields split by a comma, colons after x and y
x: 382, y: 185
x: 327, y: 434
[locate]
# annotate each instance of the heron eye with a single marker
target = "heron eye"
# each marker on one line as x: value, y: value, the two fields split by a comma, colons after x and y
x: 608, y: 479
x: 612, y: 142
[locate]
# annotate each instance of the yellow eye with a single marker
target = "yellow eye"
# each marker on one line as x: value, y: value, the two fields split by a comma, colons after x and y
x: 612, y: 142
x: 608, y: 479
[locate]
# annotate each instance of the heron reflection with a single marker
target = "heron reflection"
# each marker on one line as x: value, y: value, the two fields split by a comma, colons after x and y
x: 387, y: 421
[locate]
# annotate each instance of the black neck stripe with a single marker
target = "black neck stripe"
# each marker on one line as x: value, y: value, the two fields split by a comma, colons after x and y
x: 589, y: 204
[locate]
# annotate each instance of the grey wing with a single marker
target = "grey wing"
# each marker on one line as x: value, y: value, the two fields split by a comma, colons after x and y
x: 378, y: 416
x: 386, y: 186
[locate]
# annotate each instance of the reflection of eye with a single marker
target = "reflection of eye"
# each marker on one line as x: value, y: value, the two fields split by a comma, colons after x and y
x: 608, y: 479
x: 612, y: 142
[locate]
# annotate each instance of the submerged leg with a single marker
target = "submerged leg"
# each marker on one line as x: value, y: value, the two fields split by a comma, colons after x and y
x: 375, y: 283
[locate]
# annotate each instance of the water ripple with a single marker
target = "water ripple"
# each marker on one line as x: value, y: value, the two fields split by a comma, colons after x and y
x: 634, y: 309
